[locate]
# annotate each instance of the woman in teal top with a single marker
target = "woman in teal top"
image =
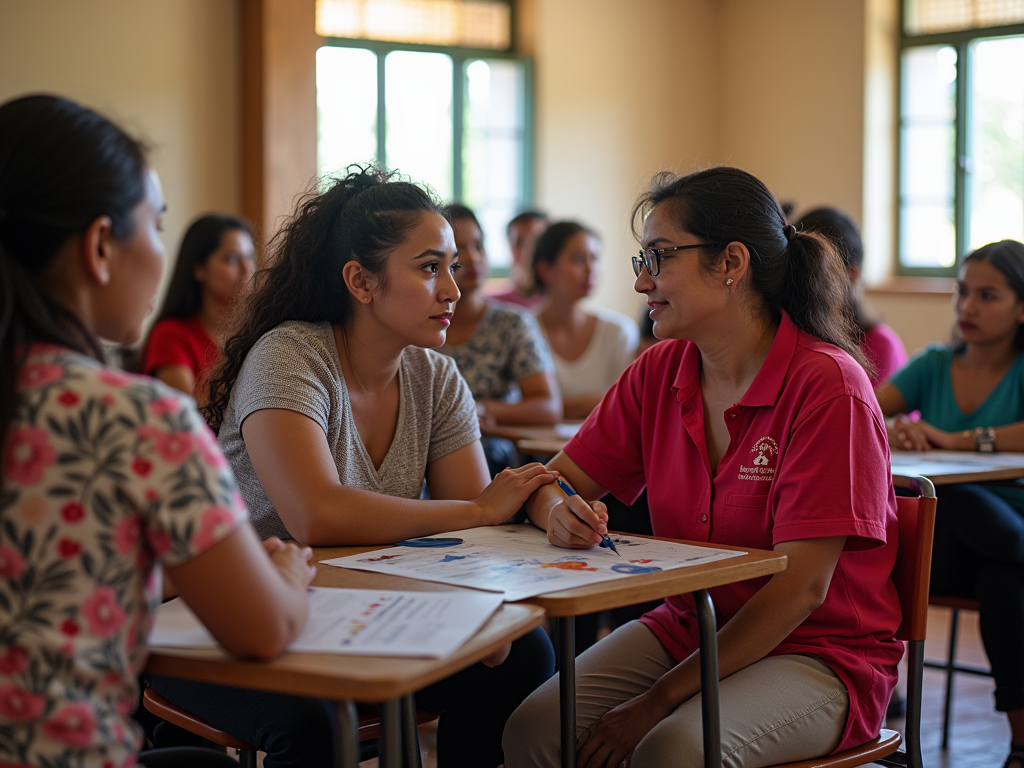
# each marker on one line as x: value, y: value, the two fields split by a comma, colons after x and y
x: 971, y: 397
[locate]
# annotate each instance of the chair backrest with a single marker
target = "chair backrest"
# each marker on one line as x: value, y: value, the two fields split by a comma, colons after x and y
x: 912, y: 572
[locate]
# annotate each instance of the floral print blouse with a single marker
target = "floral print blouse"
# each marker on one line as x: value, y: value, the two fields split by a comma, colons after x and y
x: 105, y: 475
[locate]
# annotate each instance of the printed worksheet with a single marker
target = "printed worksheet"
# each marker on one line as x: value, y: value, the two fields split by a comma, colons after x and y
x: 518, y: 562
x: 360, y: 622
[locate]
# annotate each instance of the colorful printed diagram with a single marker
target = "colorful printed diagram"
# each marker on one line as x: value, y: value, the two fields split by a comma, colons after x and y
x: 519, y: 562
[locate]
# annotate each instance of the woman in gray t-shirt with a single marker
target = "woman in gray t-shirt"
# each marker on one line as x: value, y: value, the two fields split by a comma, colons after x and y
x: 333, y: 409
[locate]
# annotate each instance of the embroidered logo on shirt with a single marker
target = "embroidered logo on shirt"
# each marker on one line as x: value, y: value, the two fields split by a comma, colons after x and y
x: 761, y: 470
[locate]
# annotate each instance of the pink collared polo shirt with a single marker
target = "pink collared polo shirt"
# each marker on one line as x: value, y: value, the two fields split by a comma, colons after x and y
x: 807, y: 458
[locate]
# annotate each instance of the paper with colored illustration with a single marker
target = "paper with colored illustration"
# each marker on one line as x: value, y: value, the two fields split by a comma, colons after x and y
x: 519, y: 562
x: 361, y: 622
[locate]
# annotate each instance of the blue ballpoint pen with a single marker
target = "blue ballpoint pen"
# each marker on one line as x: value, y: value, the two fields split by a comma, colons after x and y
x: 606, y: 540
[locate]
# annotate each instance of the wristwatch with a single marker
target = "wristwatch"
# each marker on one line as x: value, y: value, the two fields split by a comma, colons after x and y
x: 985, y: 439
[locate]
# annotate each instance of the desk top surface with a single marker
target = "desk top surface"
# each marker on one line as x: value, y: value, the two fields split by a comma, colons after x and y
x: 951, y: 467
x: 602, y: 596
x: 337, y: 677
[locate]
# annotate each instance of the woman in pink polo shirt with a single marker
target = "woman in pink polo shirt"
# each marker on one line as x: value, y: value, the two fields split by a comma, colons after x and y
x: 754, y: 424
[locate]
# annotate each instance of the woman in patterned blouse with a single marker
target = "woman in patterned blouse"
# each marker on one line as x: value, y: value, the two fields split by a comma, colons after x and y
x: 104, y: 475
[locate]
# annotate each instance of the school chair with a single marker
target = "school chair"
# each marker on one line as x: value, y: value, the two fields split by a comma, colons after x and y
x: 911, y: 574
x: 951, y: 665
x: 368, y: 730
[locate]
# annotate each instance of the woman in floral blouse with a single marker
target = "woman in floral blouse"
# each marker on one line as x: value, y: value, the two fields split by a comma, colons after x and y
x: 103, y: 476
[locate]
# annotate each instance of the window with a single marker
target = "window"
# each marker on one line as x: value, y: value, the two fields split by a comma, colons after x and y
x: 961, y: 170
x: 457, y: 119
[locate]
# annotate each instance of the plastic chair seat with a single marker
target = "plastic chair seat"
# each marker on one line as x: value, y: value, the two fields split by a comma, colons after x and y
x: 882, y: 745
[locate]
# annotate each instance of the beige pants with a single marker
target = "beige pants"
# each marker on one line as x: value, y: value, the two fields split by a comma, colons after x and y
x: 779, y: 710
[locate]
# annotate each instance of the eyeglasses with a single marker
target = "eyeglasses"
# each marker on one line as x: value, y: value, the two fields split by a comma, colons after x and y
x: 651, y: 257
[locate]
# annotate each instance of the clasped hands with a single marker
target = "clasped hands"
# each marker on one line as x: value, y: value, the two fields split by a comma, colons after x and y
x: 907, y: 435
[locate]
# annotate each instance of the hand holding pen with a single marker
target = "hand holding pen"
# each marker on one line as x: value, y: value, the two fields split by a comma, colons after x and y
x: 577, y: 525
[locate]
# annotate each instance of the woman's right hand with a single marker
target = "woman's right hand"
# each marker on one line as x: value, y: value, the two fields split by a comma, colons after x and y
x: 509, y: 490
x: 574, y: 524
x: 907, y: 435
x: 291, y: 561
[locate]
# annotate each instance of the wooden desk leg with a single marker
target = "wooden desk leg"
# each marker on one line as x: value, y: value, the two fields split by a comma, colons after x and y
x: 709, y: 679
x: 566, y: 630
x: 348, y: 733
x: 410, y: 733
x: 390, y: 749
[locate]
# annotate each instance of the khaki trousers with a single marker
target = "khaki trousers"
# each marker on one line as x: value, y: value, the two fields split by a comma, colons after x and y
x: 778, y: 710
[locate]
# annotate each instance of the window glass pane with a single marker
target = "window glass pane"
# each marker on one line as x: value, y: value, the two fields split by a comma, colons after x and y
x: 346, y: 105
x: 493, y: 147
x: 418, y: 99
x: 927, y: 153
x: 996, y: 141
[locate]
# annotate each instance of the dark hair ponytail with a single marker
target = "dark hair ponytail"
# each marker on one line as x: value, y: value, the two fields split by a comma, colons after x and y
x: 1008, y: 257
x: 61, y: 167
x: 203, y: 237
x: 799, y: 272
x: 362, y: 216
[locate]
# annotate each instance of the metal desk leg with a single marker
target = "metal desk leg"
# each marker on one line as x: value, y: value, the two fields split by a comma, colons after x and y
x: 348, y: 733
x: 390, y: 750
x: 410, y: 733
x: 566, y: 629
x: 709, y: 679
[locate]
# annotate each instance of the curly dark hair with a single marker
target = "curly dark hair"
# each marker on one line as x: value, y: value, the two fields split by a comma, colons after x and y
x: 361, y: 216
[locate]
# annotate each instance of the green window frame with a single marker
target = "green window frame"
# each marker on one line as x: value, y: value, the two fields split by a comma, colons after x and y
x: 461, y: 57
x: 961, y: 42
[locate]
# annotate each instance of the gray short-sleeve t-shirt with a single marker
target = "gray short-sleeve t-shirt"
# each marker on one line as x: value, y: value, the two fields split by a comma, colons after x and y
x: 296, y: 367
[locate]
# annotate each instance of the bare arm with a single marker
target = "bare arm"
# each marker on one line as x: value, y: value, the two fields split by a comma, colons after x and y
x: 890, y: 400
x: 293, y: 462
x: 541, y: 403
x: 178, y: 376
x: 254, y: 605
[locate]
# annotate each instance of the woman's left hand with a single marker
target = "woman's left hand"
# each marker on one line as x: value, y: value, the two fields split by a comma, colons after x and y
x: 610, y: 741
x: 947, y: 441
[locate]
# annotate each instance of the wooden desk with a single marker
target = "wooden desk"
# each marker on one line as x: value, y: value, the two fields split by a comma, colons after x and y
x: 516, y: 432
x: 952, y: 467
x: 345, y: 679
x: 547, y: 446
x: 563, y: 606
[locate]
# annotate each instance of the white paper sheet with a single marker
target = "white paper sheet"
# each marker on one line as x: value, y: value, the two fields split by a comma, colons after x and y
x: 518, y: 561
x: 359, y: 622
x: 938, y: 463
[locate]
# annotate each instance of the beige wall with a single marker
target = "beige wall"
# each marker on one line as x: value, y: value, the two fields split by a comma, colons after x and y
x: 167, y: 71
x: 623, y: 90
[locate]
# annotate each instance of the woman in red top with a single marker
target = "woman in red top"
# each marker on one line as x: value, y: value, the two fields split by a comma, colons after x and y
x: 754, y: 424
x: 214, y: 267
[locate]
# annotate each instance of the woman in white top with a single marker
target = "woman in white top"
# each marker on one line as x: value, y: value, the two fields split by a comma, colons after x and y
x: 590, y: 346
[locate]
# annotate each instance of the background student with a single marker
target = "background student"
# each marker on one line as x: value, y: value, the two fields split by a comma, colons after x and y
x: 333, y: 409
x: 213, y: 270
x: 760, y: 368
x: 104, y: 475
x: 970, y: 395
x: 590, y: 346
x: 523, y: 232
x: 882, y: 347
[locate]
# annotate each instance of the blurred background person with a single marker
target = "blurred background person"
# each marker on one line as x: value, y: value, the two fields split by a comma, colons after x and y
x: 523, y: 232
x: 213, y: 270
x: 591, y: 346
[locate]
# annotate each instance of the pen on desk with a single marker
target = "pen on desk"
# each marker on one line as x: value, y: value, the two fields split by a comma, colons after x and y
x: 606, y: 540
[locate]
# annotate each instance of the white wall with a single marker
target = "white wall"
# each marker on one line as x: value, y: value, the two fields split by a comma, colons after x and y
x: 165, y: 70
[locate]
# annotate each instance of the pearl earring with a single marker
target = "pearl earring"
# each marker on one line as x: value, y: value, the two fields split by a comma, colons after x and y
x: 728, y: 285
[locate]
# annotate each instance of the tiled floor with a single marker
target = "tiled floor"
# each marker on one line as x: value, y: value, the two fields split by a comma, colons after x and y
x: 979, y: 736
